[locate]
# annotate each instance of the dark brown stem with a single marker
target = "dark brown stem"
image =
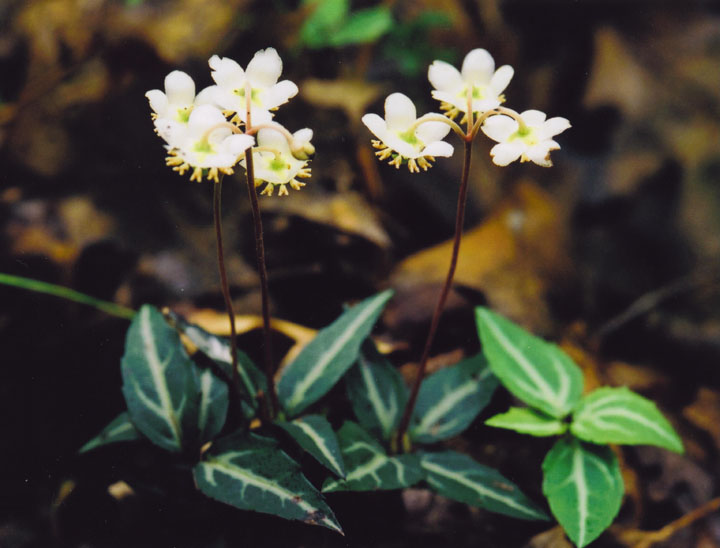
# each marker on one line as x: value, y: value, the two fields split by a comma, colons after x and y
x: 459, y: 219
x: 262, y: 271
x: 235, y: 378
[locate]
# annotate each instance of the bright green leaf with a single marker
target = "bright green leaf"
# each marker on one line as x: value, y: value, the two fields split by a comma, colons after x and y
x: 158, y: 382
x: 368, y: 466
x: 252, y: 473
x: 450, y: 400
x: 326, y: 17
x: 377, y: 392
x: 328, y: 356
x: 535, y: 371
x: 315, y: 435
x: 120, y: 429
x: 363, y: 26
x: 619, y: 415
x: 528, y: 421
x: 583, y: 485
x: 459, y: 477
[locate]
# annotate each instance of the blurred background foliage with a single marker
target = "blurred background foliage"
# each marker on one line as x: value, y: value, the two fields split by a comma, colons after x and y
x: 614, y: 251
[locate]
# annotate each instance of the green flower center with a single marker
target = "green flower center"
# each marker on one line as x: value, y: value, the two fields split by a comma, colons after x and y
x: 183, y: 115
x: 409, y: 137
x: 526, y: 135
x: 277, y: 164
x: 203, y: 147
x: 254, y: 94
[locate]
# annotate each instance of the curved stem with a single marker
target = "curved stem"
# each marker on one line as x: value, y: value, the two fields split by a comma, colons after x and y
x: 217, y: 216
x: 262, y: 271
x: 435, y: 117
x: 459, y: 220
x: 499, y: 110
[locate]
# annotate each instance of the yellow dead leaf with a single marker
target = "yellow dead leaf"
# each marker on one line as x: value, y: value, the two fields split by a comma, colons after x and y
x: 352, y: 96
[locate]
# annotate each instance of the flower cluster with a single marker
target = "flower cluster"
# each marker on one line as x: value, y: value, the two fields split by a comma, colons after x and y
x: 208, y: 133
x: 476, y: 91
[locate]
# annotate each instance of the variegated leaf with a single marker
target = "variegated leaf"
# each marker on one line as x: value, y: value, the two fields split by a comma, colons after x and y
x: 535, y: 371
x: 158, y: 382
x: 315, y: 435
x: 368, y: 466
x: 377, y: 392
x: 583, y: 485
x: 619, y: 415
x: 329, y: 355
x: 459, y: 477
x: 120, y: 429
x: 252, y: 473
x: 528, y: 421
x: 450, y: 399
x: 212, y: 405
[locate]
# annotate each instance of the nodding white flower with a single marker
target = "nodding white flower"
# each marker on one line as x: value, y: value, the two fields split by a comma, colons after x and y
x: 478, y: 78
x: 260, y: 77
x: 404, y: 137
x: 531, y: 143
x: 275, y: 163
x: 206, y: 144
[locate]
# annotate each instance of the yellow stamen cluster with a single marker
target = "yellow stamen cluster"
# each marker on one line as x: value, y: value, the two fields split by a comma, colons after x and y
x: 304, y: 173
x: 181, y: 166
x: 414, y: 164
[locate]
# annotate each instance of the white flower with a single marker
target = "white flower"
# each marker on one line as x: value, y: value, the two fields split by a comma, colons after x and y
x: 478, y: 78
x: 275, y: 163
x: 207, y: 144
x: 404, y: 137
x: 532, y: 143
x: 261, y: 76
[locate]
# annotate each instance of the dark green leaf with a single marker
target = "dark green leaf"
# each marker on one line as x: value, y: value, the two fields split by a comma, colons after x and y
x: 583, y: 485
x: 120, y: 429
x: 619, y: 415
x: 213, y: 404
x: 459, y: 477
x: 377, y: 392
x: 368, y: 466
x: 528, y: 421
x: 158, y: 382
x: 329, y: 355
x: 252, y: 473
x: 450, y: 399
x: 535, y: 371
x: 315, y: 435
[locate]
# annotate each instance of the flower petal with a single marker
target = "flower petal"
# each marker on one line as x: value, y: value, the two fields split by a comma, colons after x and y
x: 375, y: 124
x: 270, y: 138
x: 179, y: 88
x: 265, y: 67
x: 237, y: 144
x: 429, y: 132
x: 203, y: 118
x: 505, y: 153
x: 445, y: 77
x: 158, y: 101
x: 226, y: 73
x: 533, y: 118
x: 483, y: 105
x: 304, y: 135
x: 207, y: 96
x: 400, y: 112
x: 279, y: 94
x: 553, y: 127
x: 438, y: 148
x: 501, y: 79
x: 478, y: 67
x: 499, y: 127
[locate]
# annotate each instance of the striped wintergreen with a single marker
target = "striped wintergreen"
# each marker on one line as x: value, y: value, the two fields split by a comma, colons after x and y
x: 120, y: 429
x: 329, y: 355
x: 459, y: 477
x: 535, y: 371
x: 528, y: 421
x: 450, y: 399
x: 315, y: 435
x: 583, y: 485
x: 212, y: 405
x: 252, y: 473
x: 619, y: 415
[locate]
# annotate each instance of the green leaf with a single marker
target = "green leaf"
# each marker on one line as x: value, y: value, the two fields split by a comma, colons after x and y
x: 368, y: 466
x: 315, y: 435
x: 363, y: 26
x: 252, y: 380
x: 377, y: 392
x: 450, y: 399
x: 158, y: 382
x: 535, y: 371
x: 459, y: 477
x: 213, y: 404
x: 252, y: 473
x: 619, y: 415
x: 528, y: 421
x: 329, y: 355
x: 583, y: 485
x: 326, y: 16
x: 120, y: 429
